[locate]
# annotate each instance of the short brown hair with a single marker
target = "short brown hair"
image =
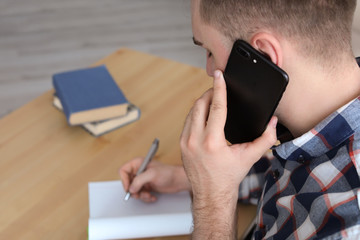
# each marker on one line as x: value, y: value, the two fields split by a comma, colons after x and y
x: 322, y: 26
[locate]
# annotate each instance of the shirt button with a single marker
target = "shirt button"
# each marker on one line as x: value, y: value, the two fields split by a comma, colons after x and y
x: 276, y: 174
x: 301, y: 159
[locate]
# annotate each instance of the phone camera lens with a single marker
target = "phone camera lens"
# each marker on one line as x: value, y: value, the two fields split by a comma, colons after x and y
x: 245, y: 54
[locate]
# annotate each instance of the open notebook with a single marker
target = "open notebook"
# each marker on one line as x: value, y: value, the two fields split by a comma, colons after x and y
x: 113, y: 218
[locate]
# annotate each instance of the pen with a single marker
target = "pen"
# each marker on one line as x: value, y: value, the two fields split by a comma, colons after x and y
x: 154, y: 147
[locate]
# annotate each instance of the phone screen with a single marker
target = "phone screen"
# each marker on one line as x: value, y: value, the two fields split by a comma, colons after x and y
x: 254, y: 86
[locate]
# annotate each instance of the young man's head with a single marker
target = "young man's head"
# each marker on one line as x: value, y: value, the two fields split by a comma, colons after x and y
x: 309, y: 39
x: 319, y: 28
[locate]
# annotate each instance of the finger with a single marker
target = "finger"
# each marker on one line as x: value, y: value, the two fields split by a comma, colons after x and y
x: 200, y: 111
x: 139, y: 181
x: 147, y: 196
x: 218, y: 108
x: 185, y: 133
x: 197, y: 117
x: 266, y: 140
x: 128, y: 170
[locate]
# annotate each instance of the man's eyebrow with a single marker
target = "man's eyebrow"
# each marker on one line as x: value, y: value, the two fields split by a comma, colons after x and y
x: 196, y: 42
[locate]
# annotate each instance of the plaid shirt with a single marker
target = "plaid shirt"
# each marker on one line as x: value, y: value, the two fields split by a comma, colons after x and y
x: 310, y: 188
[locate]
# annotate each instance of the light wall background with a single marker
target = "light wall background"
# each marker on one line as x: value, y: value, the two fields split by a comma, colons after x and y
x: 41, y: 37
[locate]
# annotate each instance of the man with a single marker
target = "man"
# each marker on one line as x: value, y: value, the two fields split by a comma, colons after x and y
x: 309, y: 189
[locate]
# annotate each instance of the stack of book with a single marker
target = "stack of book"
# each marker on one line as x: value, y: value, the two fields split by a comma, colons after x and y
x: 90, y: 97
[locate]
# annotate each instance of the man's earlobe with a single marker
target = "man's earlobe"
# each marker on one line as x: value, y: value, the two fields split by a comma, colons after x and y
x: 269, y: 46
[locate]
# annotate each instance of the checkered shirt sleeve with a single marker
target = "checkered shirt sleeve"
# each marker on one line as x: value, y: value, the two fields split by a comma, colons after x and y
x: 311, y: 188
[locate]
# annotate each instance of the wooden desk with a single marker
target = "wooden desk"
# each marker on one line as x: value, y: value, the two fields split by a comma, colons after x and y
x: 45, y: 165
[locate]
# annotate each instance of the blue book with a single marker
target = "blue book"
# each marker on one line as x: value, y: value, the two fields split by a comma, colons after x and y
x: 89, y: 95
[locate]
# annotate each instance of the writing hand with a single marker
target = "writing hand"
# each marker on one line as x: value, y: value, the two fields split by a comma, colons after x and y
x: 158, y: 177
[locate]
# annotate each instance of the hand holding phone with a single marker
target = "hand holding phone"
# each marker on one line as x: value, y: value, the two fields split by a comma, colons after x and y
x: 254, y: 86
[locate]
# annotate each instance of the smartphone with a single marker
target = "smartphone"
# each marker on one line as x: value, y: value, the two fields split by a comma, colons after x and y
x: 254, y: 86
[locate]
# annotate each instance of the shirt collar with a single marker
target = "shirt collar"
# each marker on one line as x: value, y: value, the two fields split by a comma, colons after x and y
x: 329, y: 134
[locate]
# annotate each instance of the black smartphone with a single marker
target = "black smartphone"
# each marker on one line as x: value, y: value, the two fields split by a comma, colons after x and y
x: 254, y: 86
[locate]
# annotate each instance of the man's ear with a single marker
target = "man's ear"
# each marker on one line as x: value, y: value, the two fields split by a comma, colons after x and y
x: 269, y: 45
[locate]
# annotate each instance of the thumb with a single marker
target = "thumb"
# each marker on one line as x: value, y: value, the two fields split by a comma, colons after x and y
x: 218, y: 109
x: 140, y: 180
x: 263, y: 143
x: 256, y: 149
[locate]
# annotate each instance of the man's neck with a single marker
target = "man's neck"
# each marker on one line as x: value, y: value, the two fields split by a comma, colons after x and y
x: 318, y: 92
